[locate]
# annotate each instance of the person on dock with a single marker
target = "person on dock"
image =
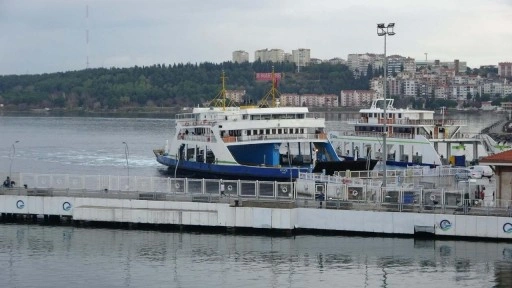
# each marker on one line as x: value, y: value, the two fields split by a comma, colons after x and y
x: 8, y: 183
x: 222, y: 188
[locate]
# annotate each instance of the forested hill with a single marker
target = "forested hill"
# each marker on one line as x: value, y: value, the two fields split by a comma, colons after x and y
x: 165, y: 85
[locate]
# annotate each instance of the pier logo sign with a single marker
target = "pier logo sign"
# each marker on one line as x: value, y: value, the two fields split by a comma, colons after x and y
x: 507, y: 227
x: 445, y: 225
x: 20, y: 204
x: 66, y: 206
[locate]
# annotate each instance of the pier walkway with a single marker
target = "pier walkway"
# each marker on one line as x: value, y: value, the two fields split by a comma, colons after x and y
x: 414, y: 201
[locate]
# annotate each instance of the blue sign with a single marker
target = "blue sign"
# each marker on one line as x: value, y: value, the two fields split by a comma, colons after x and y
x: 20, y: 204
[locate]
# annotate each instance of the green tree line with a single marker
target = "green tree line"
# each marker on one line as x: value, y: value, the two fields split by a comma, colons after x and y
x: 160, y: 85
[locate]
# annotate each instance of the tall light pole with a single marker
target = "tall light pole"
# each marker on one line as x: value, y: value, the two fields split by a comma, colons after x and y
x: 385, y: 30
x: 11, y: 156
x: 126, y: 154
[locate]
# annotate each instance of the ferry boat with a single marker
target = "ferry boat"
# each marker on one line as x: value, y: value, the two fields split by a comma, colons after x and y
x: 413, y: 136
x: 264, y: 142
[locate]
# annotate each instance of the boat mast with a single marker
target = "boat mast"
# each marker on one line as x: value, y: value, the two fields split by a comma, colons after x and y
x: 272, y: 93
x: 223, y: 91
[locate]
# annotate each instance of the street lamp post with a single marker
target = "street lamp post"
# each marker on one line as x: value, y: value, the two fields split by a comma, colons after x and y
x: 13, y: 149
x: 126, y: 154
x: 385, y: 30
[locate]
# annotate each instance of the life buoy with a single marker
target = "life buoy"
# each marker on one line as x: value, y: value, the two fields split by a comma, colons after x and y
x: 354, y: 193
x: 432, y: 197
x: 284, y: 189
x: 177, y: 185
x: 230, y: 187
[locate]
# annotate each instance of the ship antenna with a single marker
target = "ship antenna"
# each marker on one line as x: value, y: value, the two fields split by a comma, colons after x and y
x: 87, y: 36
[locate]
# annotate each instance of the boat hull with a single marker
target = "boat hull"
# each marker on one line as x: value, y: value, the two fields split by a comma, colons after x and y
x: 194, y: 169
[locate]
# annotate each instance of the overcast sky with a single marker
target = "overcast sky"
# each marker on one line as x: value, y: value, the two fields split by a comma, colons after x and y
x: 44, y: 36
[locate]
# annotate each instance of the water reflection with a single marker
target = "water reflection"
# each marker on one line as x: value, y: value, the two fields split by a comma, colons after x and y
x: 150, y: 258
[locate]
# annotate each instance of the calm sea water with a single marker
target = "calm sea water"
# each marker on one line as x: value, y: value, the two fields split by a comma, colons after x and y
x: 47, y: 256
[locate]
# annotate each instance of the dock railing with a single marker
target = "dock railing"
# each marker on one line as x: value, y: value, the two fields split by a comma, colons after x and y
x: 416, y: 191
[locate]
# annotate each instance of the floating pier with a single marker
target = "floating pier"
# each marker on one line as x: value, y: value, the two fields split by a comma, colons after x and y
x: 314, y: 203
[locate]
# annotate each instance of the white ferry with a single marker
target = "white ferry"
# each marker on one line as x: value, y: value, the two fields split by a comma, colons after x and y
x: 412, y: 135
x: 264, y: 142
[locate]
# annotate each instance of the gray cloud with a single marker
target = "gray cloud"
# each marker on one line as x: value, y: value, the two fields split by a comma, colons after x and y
x: 49, y: 36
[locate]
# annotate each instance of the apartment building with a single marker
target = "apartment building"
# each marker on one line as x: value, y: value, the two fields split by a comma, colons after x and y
x: 357, y: 98
x: 265, y: 55
x: 240, y: 56
x: 301, y: 56
x: 505, y: 69
x: 236, y: 95
x: 309, y: 100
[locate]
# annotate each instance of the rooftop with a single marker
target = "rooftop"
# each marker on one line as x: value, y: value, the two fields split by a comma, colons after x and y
x: 499, y: 159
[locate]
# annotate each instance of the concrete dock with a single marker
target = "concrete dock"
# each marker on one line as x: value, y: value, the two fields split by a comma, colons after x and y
x: 313, y: 205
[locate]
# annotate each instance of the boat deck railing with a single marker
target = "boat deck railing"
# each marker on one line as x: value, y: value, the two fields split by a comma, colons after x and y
x: 279, y: 137
x: 421, y: 193
x: 371, y: 134
x: 412, y: 122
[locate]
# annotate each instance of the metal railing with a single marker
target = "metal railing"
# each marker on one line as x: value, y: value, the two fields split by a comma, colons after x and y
x: 416, y: 192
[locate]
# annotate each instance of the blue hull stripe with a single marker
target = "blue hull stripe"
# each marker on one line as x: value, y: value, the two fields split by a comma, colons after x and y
x: 235, y: 171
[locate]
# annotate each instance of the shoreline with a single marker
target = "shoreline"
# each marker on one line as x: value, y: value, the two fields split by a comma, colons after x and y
x: 168, y: 112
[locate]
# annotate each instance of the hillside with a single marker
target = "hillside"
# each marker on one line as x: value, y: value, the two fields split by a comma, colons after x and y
x: 160, y: 86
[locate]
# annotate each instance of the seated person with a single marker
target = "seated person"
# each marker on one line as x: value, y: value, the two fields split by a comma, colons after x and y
x: 8, y: 183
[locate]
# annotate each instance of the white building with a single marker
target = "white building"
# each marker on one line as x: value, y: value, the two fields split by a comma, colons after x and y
x: 273, y: 55
x: 301, y: 57
x: 409, y: 87
x: 240, y: 56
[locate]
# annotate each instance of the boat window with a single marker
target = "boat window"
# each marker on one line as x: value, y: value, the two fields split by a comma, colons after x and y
x: 255, y: 117
x: 374, y: 115
x: 273, y: 131
x: 279, y: 131
x: 291, y: 130
x: 296, y: 130
x: 255, y: 132
x: 300, y: 116
x: 248, y: 132
x: 265, y: 117
x: 261, y: 131
x: 267, y: 131
x: 399, y: 115
x: 301, y: 130
x: 245, y: 117
x: 285, y: 131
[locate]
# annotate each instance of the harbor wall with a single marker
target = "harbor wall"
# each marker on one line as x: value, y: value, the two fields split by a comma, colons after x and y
x: 228, y: 215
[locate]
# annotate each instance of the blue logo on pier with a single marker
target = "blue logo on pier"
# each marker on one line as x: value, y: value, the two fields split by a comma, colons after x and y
x: 66, y: 206
x: 445, y: 225
x: 20, y: 204
x: 507, y: 228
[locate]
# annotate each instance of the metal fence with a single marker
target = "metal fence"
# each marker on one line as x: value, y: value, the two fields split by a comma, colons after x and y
x: 419, y: 193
